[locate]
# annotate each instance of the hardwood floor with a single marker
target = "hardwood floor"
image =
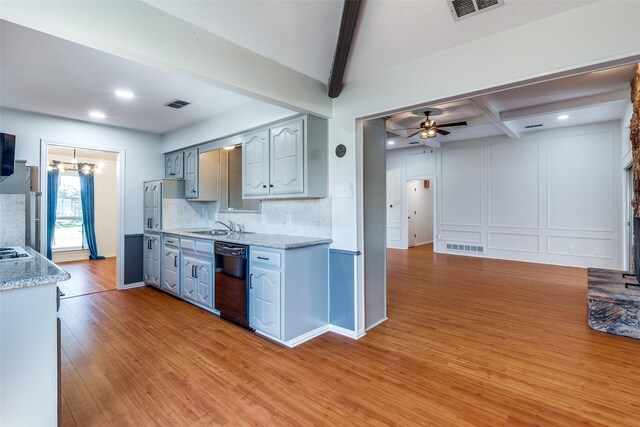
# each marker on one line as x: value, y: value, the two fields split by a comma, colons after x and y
x: 469, y: 342
x: 89, y: 277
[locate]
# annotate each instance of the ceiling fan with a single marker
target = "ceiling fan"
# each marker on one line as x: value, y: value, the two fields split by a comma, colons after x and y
x: 430, y: 129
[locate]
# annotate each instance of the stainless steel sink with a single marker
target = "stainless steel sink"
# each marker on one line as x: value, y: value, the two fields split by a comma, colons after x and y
x: 213, y: 232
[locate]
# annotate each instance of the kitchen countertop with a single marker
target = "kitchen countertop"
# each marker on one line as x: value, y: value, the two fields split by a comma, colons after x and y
x: 34, y: 271
x: 275, y: 241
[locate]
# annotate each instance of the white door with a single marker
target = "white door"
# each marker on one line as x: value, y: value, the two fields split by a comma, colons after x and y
x: 255, y: 163
x: 412, y: 195
x: 287, y: 158
x: 264, y: 301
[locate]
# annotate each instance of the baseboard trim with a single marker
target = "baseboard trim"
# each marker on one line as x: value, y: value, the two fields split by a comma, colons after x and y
x: 377, y: 323
x: 360, y: 334
x: 306, y: 337
x: 343, y: 331
x: 133, y: 285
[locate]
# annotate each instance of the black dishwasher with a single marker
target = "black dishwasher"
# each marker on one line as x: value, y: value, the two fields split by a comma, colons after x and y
x: 231, y: 282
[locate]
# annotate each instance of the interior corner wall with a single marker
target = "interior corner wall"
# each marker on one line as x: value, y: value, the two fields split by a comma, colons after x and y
x: 144, y: 159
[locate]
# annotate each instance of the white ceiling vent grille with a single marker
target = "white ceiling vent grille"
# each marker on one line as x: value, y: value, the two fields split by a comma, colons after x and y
x: 177, y: 104
x: 462, y: 9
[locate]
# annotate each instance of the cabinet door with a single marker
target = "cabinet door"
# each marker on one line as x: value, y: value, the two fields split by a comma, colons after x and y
x: 191, y: 174
x: 147, y: 206
x: 168, y: 166
x: 255, y: 163
x: 189, y: 281
x: 155, y: 205
x: 287, y: 158
x: 264, y: 301
x: 151, y: 261
x: 204, y: 283
x: 171, y: 272
x: 155, y: 261
x: 178, y: 165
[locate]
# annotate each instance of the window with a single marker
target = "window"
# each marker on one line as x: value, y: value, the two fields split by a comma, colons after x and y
x: 69, y: 233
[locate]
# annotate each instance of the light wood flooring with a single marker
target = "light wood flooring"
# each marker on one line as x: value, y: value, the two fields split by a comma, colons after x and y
x: 469, y: 342
x: 89, y: 276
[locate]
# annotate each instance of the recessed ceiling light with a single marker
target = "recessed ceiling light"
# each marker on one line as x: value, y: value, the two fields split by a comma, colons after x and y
x: 126, y: 94
x: 391, y: 142
x: 97, y: 114
x: 563, y: 117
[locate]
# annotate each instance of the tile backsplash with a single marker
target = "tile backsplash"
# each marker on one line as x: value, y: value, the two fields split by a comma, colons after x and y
x: 178, y: 214
x: 12, y: 219
x: 296, y: 217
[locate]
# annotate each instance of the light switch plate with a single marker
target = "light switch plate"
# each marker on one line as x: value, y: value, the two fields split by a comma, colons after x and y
x: 343, y: 191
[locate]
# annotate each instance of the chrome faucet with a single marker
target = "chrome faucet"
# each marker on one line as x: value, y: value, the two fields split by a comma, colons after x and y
x: 228, y: 226
x: 240, y: 228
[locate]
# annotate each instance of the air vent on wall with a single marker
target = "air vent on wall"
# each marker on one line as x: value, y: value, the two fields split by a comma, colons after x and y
x: 462, y: 9
x: 539, y: 125
x: 465, y: 248
x: 177, y: 104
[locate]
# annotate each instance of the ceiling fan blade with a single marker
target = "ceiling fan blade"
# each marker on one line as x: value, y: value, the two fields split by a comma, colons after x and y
x: 442, y: 132
x: 444, y: 125
x: 414, y: 134
x: 405, y: 129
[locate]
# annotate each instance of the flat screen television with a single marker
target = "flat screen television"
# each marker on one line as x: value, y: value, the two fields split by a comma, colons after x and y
x: 7, y: 154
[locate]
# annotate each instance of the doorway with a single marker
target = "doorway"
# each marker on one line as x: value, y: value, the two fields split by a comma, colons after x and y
x: 420, y: 209
x: 86, y: 237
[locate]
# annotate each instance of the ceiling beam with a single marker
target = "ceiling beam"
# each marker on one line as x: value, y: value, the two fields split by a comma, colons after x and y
x: 494, y: 116
x: 567, y: 105
x: 347, y: 29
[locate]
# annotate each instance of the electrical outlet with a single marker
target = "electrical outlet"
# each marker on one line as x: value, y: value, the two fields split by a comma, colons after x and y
x: 572, y: 249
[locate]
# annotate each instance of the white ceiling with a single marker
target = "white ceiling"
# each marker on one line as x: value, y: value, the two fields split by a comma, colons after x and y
x: 302, y: 34
x: 48, y: 75
x: 586, y: 98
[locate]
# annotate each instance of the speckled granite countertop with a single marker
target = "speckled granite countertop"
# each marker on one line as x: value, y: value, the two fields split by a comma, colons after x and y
x: 35, y: 271
x: 275, y: 241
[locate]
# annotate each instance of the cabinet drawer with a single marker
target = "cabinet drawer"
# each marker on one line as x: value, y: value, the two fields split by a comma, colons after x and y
x: 204, y: 247
x: 265, y: 258
x: 189, y: 244
x: 172, y: 241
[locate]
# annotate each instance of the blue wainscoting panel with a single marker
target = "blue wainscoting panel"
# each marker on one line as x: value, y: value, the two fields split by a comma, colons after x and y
x: 133, y: 257
x: 341, y: 288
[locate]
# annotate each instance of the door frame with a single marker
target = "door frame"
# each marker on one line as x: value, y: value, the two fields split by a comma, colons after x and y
x: 120, y: 182
x: 404, y: 224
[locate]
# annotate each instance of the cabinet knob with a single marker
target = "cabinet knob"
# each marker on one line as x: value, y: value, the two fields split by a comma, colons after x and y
x: 271, y: 185
x: 264, y: 186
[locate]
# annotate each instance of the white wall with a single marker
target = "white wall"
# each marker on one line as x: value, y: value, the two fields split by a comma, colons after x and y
x: 551, y: 197
x: 144, y: 159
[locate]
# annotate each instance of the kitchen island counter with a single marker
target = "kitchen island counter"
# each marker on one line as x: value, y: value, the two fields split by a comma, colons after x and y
x: 34, y: 271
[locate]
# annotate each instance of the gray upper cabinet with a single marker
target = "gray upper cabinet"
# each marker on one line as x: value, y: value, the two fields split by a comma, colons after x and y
x: 174, y: 165
x: 191, y: 163
x: 152, y: 206
x: 286, y: 160
x: 255, y: 163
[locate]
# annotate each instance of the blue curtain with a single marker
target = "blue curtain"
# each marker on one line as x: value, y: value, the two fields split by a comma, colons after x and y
x: 52, y: 204
x: 88, y: 219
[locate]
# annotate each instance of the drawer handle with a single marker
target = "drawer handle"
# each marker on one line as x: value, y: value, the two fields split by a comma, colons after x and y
x: 175, y: 262
x: 251, y: 281
x: 263, y: 258
x: 171, y: 241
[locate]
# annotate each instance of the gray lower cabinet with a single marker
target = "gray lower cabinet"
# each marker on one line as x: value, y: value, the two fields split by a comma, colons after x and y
x: 151, y: 260
x: 171, y: 266
x: 288, y: 292
x: 264, y: 300
x: 197, y: 280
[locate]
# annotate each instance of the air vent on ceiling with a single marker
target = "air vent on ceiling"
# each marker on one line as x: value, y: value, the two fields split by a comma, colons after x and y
x: 177, y: 104
x: 462, y: 9
x: 539, y: 125
x: 465, y: 248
